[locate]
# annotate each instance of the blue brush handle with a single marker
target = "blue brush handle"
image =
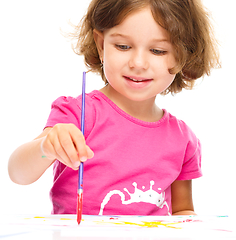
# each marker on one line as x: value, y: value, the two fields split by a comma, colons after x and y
x: 81, y: 168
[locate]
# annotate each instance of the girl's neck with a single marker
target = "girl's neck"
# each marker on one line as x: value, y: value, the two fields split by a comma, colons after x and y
x: 146, y: 110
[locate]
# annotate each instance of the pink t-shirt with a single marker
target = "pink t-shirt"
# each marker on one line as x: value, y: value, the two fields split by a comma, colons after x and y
x: 135, y: 162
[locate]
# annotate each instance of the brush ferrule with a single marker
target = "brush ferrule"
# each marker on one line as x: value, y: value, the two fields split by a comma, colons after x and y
x: 80, y: 191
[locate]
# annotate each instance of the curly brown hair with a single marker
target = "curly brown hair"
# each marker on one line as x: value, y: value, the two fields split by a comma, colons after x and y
x: 186, y: 21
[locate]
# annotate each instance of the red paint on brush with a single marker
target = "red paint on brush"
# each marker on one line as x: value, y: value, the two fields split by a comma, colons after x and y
x: 79, y: 207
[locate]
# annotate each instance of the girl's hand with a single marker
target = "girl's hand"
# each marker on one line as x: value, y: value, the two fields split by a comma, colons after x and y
x: 66, y: 143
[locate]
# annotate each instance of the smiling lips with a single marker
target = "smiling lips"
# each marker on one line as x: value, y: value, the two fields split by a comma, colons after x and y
x: 137, y: 79
x: 137, y: 82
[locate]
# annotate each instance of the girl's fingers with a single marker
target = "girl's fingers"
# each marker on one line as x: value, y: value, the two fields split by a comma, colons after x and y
x: 90, y: 153
x: 79, y: 144
x: 60, y: 153
x: 66, y: 143
x: 54, y: 150
x: 70, y: 151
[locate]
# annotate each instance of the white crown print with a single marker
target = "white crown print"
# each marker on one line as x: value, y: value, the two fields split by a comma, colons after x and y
x: 149, y: 196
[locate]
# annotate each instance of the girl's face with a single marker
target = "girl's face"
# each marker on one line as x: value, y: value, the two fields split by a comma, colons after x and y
x: 137, y: 56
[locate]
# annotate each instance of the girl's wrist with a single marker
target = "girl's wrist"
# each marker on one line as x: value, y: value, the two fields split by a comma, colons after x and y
x: 42, y: 153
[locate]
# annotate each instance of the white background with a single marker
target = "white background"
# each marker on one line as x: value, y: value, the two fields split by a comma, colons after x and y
x: 37, y: 65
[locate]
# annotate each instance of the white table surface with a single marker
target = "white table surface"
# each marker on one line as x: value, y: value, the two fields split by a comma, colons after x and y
x: 61, y: 227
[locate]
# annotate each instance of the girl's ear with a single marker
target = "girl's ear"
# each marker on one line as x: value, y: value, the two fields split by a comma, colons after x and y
x: 99, y: 40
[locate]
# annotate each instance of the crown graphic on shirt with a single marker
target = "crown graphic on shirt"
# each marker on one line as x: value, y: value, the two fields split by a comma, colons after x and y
x: 149, y: 196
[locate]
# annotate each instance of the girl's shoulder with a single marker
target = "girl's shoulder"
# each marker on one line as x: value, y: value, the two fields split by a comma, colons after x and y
x: 179, y: 128
x: 67, y: 109
x: 70, y: 103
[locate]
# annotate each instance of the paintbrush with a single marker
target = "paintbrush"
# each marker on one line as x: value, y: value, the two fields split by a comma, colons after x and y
x: 81, y: 167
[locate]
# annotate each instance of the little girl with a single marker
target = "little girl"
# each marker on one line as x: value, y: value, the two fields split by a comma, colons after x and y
x: 139, y: 159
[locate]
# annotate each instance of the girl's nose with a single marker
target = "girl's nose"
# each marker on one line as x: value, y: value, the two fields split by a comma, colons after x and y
x: 138, y: 60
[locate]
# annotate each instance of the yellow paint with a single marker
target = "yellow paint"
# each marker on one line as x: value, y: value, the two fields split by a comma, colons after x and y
x: 142, y: 224
x: 38, y: 217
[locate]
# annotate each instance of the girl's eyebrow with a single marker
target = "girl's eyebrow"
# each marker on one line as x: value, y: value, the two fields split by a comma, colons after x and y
x: 119, y: 35
x: 126, y: 36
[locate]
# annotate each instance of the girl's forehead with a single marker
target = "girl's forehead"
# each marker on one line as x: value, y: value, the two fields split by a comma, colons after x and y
x: 140, y: 22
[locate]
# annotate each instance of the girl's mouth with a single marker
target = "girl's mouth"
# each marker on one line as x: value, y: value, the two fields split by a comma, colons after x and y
x: 137, y: 79
x: 137, y: 82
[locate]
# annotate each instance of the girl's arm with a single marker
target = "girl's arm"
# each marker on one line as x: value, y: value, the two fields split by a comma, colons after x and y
x: 64, y: 142
x: 26, y: 164
x: 181, y: 198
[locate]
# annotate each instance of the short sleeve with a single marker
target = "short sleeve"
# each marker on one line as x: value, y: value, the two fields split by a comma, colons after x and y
x: 191, y: 167
x: 68, y: 110
x: 64, y: 110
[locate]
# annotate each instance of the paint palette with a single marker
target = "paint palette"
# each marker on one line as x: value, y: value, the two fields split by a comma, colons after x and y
x: 117, y: 227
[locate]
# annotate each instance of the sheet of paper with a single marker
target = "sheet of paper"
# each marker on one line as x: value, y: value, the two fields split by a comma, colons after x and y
x: 117, y: 227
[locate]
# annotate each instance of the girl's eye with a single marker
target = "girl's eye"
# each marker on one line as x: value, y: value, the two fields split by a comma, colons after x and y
x: 122, y: 47
x: 158, y: 52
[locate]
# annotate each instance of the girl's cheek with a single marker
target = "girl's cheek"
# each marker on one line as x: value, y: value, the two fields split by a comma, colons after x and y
x: 171, y: 62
